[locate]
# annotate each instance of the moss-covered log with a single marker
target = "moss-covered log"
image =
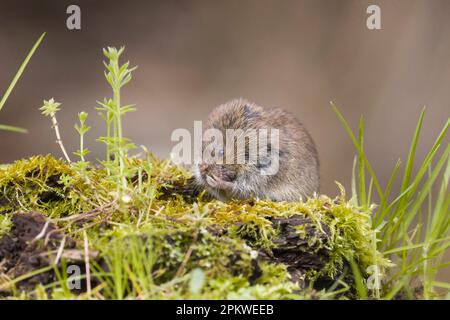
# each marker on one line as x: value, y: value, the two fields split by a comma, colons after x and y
x: 148, y: 239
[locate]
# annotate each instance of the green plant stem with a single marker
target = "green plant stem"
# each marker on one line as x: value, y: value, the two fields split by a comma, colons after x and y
x: 82, y: 147
x: 119, y: 138
x: 108, y: 135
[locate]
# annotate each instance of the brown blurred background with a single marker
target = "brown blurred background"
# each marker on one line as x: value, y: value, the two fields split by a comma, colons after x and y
x: 194, y: 55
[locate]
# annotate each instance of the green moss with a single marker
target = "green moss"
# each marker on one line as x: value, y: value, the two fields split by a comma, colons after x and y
x: 5, y: 224
x: 45, y: 184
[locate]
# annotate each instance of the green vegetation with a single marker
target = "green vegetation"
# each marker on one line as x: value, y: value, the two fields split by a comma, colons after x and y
x: 413, y: 227
x: 5, y: 224
x: 136, y: 227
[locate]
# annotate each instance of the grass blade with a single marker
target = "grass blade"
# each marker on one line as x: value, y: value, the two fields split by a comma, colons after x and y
x: 412, y: 152
x: 359, y: 282
x: 5, y: 127
x: 361, y: 169
x: 20, y: 71
x: 360, y: 151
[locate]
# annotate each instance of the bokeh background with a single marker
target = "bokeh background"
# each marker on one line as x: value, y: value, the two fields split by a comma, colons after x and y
x: 194, y: 55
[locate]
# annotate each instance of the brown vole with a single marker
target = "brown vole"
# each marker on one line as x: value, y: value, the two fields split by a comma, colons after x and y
x: 297, y: 174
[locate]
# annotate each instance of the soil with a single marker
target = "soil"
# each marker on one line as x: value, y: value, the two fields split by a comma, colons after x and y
x: 21, y: 253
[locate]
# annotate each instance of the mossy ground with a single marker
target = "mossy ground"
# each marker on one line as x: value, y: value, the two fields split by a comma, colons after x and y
x: 161, y: 239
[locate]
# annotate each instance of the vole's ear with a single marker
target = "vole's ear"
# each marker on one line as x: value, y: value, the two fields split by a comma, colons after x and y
x: 264, y: 162
x: 271, y: 156
x: 269, y: 164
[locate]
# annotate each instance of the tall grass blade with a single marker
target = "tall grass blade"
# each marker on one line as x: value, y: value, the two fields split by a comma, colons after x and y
x: 20, y: 71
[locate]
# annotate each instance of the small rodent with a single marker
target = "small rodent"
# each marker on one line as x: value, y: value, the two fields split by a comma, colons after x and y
x: 298, y: 164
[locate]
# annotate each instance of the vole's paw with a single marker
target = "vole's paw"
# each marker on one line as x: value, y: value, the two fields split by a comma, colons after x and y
x: 218, y: 183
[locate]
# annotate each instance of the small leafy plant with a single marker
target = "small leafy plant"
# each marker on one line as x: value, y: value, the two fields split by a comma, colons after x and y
x: 112, y: 112
x: 49, y: 109
x: 82, y: 129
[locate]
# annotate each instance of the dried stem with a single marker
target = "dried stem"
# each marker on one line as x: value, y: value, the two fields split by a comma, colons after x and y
x: 86, y: 261
x: 58, y: 138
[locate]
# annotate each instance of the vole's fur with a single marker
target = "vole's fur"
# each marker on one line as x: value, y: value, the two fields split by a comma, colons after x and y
x: 298, y: 172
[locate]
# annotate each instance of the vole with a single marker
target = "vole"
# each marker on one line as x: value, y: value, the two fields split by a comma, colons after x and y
x: 297, y: 174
